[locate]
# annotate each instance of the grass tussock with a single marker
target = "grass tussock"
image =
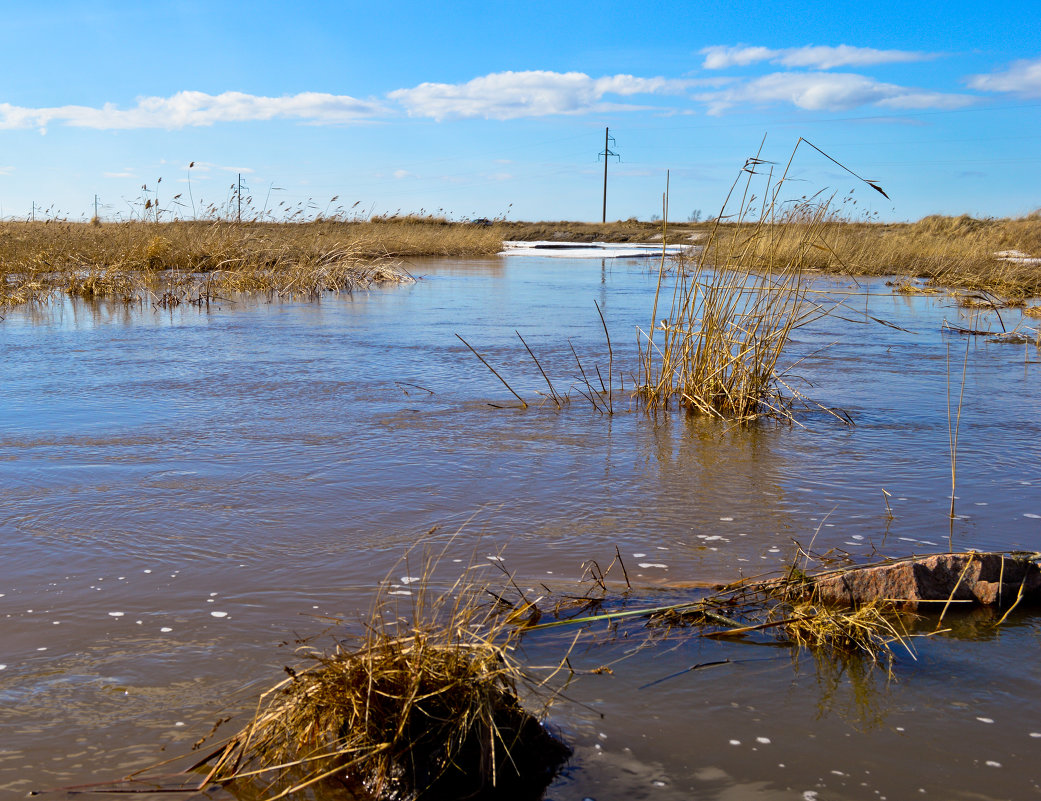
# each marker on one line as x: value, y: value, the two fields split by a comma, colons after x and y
x: 181, y: 260
x: 731, y: 310
x: 424, y: 706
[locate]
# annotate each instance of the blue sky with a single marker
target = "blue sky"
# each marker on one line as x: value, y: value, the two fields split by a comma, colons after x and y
x: 493, y: 108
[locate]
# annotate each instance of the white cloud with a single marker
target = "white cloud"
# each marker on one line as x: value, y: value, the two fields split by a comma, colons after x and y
x: 1022, y: 78
x: 535, y: 93
x: 6, y: 170
x: 191, y: 109
x: 819, y: 57
x: 827, y: 91
x: 125, y: 174
x: 399, y: 174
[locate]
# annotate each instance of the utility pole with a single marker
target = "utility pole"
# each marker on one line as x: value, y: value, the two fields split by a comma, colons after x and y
x: 34, y: 211
x: 608, y: 139
x: 96, y: 207
x: 239, y: 193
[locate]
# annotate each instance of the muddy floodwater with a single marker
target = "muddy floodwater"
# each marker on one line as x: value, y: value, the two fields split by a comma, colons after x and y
x: 187, y: 493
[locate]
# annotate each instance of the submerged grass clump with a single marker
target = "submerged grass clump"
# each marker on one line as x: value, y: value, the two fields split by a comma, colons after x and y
x: 423, y: 706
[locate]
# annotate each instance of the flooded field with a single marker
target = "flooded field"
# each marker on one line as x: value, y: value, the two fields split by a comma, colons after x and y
x: 187, y: 493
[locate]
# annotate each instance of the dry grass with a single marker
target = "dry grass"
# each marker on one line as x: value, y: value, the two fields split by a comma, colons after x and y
x: 958, y: 252
x: 425, y: 705
x: 180, y: 260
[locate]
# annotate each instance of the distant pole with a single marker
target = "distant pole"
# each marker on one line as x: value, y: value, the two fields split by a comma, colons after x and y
x: 95, y: 207
x: 240, y: 197
x: 607, y: 157
x: 34, y: 211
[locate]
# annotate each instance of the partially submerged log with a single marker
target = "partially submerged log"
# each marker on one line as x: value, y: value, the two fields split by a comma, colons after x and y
x: 990, y: 579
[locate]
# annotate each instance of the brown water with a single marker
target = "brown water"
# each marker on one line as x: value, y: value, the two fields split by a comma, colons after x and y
x: 186, y: 492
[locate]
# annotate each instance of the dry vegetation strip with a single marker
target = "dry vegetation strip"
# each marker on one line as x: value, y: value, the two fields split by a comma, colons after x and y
x: 123, y: 260
x: 174, y: 261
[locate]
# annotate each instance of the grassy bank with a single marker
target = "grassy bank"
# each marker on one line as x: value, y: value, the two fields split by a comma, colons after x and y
x: 175, y: 262
x: 950, y: 251
x: 958, y: 252
x: 124, y: 260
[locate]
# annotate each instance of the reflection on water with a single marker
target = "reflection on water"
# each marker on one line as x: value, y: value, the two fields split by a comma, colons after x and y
x: 186, y: 492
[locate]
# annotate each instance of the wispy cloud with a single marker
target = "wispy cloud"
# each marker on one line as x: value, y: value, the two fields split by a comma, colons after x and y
x: 192, y: 109
x: 1023, y: 77
x: 123, y: 174
x: 6, y: 170
x: 535, y: 93
x: 827, y: 91
x: 818, y: 57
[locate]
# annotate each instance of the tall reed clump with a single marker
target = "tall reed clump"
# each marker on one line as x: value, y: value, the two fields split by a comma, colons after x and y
x: 424, y: 706
x: 734, y: 306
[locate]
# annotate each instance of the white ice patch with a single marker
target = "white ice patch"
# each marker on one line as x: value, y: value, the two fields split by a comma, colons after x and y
x: 639, y: 555
x: 985, y: 720
x: 1032, y: 516
x: 116, y: 614
x: 494, y: 558
x: 409, y: 579
x: 4, y: 667
x: 400, y: 592
x: 651, y: 564
x: 218, y: 614
x: 166, y: 629
x: 589, y: 250
x: 726, y: 520
x: 1032, y: 734
x: 991, y: 763
x: 735, y: 742
x: 763, y: 740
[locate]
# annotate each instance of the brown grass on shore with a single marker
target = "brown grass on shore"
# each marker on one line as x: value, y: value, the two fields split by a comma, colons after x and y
x: 950, y: 251
x: 126, y: 259
x: 171, y: 261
